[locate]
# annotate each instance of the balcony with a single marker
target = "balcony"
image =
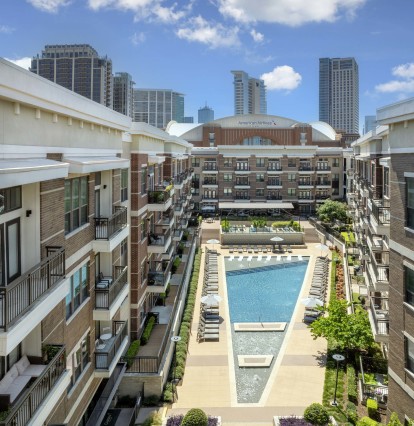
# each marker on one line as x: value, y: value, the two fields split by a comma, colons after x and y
x: 242, y: 184
x: 38, y: 400
x: 159, y: 201
x: 159, y: 275
x: 379, y: 318
x: 109, y: 349
x: 305, y: 183
x: 178, y: 208
x: 380, y: 216
x: 159, y: 240
x: 322, y: 168
x: 178, y: 181
x: 110, y: 292
x: 212, y: 183
x: 323, y: 183
x: 111, y: 231
x: 168, y: 218
x: 184, y: 222
x: 241, y: 197
x: 321, y: 198
x: 276, y: 197
x: 274, y: 184
x: 242, y: 168
x: 306, y: 199
x: 26, y: 301
x: 306, y: 168
x: 210, y: 168
x: 274, y: 168
x: 379, y: 275
x: 178, y: 234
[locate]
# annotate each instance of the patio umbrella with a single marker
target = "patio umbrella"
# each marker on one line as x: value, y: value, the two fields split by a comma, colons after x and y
x: 321, y: 247
x: 312, y: 302
x: 276, y: 239
x: 211, y: 300
x: 213, y: 241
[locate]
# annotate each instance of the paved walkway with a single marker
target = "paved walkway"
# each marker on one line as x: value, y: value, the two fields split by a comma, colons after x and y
x: 295, y: 382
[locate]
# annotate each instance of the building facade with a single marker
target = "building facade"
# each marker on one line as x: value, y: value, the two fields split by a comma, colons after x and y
x: 124, y: 94
x: 93, y: 212
x: 158, y: 107
x: 79, y: 68
x: 249, y: 94
x: 263, y: 163
x: 339, y: 93
x: 205, y: 114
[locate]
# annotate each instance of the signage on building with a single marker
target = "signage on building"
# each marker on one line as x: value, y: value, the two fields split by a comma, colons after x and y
x: 259, y: 123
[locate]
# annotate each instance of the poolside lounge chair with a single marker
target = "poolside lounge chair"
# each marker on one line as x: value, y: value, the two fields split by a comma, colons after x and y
x: 210, y: 329
x: 264, y: 249
x: 256, y: 249
x: 249, y: 249
x: 205, y: 336
x: 240, y: 249
x: 289, y: 248
x: 231, y: 249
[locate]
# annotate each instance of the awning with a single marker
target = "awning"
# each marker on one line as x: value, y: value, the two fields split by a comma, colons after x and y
x: 95, y: 164
x: 155, y: 159
x: 253, y: 206
x: 22, y: 172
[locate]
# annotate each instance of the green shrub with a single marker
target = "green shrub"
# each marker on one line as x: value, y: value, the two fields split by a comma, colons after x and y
x: 316, y: 414
x: 175, y: 265
x: 394, y: 420
x: 150, y: 401
x: 132, y: 351
x: 352, y: 384
x: 167, y: 395
x: 154, y: 419
x: 351, y: 413
x: 372, y: 406
x: 366, y: 421
x: 195, y: 417
x: 147, y: 331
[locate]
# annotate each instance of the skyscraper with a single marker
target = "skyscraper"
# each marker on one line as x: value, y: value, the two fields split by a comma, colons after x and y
x: 158, y: 106
x: 205, y: 114
x: 339, y: 93
x: 124, y: 93
x: 249, y: 94
x: 370, y: 123
x: 79, y: 68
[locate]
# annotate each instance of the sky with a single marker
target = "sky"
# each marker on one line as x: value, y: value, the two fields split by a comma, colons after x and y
x: 191, y: 46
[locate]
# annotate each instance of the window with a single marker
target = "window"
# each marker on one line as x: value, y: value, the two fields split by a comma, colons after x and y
x: 195, y: 162
x: 260, y: 162
x: 259, y: 192
x: 124, y: 252
x: 291, y: 191
x: 10, y: 199
x: 291, y: 177
x: 409, y: 344
x: 10, y: 250
x: 228, y: 162
x: 76, y: 203
x: 98, y: 178
x: 227, y: 177
x: 124, y: 184
x: 78, y: 291
x: 79, y: 359
x: 143, y: 230
x: 143, y: 181
x: 335, y: 162
x: 409, y: 285
x: 259, y: 177
x: 227, y: 191
x: 410, y: 202
x: 292, y: 162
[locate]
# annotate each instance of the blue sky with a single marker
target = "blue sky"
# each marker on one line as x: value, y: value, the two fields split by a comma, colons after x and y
x: 192, y: 45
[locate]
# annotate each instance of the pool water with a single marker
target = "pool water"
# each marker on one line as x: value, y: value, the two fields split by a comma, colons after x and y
x: 260, y: 292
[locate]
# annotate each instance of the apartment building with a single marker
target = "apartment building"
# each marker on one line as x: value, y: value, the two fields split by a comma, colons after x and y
x: 263, y: 163
x: 249, y: 94
x: 91, y: 212
x: 369, y: 206
x: 399, y: 118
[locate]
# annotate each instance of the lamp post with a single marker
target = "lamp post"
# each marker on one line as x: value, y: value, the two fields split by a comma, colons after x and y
x: 174, y: 339
x: 337, y: 358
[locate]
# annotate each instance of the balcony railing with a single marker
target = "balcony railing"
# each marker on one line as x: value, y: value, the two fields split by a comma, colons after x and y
x: 322, y: 197
x: 381, y: 213
x: 274, y: 182
x: 321, y: 168
x: 23, y: 410
x: 306, y: 168
x: 20, y: 295
x: 158, y: 238
x: 380, y: 316
x: 106, y: 227
x: 274, y: 168
x: 242, y: 182
x: 241, y: 197
x: 382, y: 272
x: 210, y: 166
x: 274, y: 197
x: 323, y: 182
x: 158, y: 197
x: 210, y: 182
x: 104, y: 297
x: 306, y: 182
x: 159, y: 272
x: 105, y: 356
x: 242, y: 168
x: 167, y: 217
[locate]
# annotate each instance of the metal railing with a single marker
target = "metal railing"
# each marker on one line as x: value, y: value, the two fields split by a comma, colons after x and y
x: 25, y: 407
x: 158, y: 238
x: 381, y: 213
x: 210, y: 166
x: 382, y: 273
x: 323, y: 182
x: 321, y: 168
x: 273, y: 197
x: 210, y: 182
x: 274, y: 182
x: 242, y: 167
x: 104, y: 358
x: 306, y: 168
x: 157, y: 276
x: 104, y: 297
x: 275, y: 168
x: 167, y: 217
x: 19, y: 296
x: 306, y: 182
x: 106, y: 227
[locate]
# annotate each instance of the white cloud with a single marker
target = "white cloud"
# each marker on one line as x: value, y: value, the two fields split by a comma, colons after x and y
x: 404, y: 86
x: 22, y: 62
x: 257, y: 37
x: 145, y: 9
x: 289, y: 12
x: 282, y: 78
x: 404, y: 71
x: 214, y: 35
x: 4, y: 29
x: 51, y: 6
x: 138, y: 38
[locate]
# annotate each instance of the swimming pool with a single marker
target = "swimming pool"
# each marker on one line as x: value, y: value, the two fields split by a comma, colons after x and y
x: 260, y: 291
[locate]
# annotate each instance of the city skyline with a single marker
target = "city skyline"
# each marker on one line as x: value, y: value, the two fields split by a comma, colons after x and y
x: 192, y: 47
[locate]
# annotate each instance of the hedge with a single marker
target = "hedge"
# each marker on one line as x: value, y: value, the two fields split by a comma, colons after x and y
x: 147, y: 332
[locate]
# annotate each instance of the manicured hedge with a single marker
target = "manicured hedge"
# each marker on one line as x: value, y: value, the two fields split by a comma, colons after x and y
x: 147, y: 332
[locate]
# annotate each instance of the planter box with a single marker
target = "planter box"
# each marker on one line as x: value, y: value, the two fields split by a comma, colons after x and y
x: 276, y: 419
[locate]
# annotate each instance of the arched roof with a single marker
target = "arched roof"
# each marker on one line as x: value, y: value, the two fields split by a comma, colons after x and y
x: 322, y: 129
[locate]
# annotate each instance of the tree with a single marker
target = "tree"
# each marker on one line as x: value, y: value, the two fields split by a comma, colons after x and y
x: 346, y: 331
x: 331, y: 210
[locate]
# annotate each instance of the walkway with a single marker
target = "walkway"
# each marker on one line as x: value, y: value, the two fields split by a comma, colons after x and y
x: 296, y: 380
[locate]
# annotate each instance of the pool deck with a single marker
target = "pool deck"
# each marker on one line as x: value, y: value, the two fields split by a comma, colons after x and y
x: 295, y: 382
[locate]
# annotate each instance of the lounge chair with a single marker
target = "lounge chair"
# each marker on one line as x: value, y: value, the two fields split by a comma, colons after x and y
x: 231, y: 249
x: 240, y: 249
x: 288, y: 248
x: 249, y: 249
x: 205, y: 336
x: 256, y: 249
x: 264, y: 249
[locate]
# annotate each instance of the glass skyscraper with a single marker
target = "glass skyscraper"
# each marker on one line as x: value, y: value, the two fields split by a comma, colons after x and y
x: 249, y: 94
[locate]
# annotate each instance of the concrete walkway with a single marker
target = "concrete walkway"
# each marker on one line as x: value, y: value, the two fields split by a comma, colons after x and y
x: 296, y: 379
